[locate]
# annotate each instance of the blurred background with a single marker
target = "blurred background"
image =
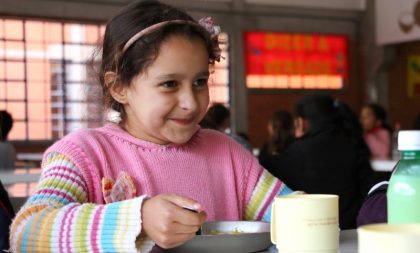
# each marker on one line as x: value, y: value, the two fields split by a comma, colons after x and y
x: 275, y: 51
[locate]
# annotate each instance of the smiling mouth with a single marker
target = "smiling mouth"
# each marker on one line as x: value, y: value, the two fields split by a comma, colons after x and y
x: 183, y: 122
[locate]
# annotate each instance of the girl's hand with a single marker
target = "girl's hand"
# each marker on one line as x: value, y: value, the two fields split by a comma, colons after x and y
x: 167, y: 223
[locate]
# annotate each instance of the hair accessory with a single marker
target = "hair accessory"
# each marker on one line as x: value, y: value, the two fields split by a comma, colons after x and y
x: 214, y: 30
x: 113, y: 116
x: 153, y: 28
x: 206, y: 22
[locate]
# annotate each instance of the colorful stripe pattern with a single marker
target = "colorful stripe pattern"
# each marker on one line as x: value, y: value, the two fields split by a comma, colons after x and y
x: 57, y: 218
x: 259, y: 206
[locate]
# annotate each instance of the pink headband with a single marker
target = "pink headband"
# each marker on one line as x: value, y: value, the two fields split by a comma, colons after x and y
x: 206, y: 22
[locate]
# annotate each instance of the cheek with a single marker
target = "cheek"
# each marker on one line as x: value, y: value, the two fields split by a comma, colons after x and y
x: 203, y: 101
x: 158, y: 112
x: 369, y: 123
x: 152, y: 110
x: 370, y: 120
x: 365, y: 122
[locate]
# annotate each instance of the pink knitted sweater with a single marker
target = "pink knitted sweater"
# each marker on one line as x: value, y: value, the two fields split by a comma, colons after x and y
x: 110, y: 168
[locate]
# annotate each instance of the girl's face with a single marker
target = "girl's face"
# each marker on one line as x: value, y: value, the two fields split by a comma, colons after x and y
x: 165, y: 103
x: 368, y: 119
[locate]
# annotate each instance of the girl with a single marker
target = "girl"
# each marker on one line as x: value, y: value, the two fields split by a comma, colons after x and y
x: 377, y: 133
x: 119, y: 187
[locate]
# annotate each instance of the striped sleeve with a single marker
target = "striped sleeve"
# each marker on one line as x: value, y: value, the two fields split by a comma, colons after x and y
x: 57, y: 217
x: 267, y: 187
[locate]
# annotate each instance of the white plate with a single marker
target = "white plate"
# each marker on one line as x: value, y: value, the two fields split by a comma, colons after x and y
x: 254, y: 236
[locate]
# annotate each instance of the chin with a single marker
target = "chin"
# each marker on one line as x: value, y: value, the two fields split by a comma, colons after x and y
x: 180, y: 136
x: 181, y: 140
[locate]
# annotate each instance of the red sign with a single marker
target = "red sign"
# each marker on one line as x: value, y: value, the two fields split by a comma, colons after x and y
x: 273, y: 53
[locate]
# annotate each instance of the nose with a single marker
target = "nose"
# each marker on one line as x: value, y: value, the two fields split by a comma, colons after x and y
x: 188, y: 99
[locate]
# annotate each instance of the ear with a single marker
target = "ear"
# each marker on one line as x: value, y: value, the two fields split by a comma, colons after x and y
x: 270, y: 128
x: 117, y: 91
x: 300, y: 127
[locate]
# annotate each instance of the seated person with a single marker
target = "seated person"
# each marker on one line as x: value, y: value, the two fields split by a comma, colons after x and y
x: 377, y: 133
x: 374, y: 208
x: 6, y: 215
x: 7, y: 151
x: 125, y: 186
x: 328, y: 156
x: 218, y: 118
x: 280, y: 136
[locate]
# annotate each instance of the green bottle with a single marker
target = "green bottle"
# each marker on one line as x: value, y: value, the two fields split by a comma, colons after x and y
x: 403, y: 193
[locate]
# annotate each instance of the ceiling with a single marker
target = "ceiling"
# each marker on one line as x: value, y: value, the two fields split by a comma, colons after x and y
x: 319, y: 4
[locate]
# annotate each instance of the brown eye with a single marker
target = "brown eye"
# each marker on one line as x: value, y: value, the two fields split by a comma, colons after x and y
x: 169, y: 84
x: 201, y: 83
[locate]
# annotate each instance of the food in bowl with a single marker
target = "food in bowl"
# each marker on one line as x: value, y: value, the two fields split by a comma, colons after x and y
x: 236, y: 231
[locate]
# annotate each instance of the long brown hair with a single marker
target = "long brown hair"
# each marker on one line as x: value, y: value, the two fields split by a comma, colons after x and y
x: 282, y: 132
x: 129, y: 21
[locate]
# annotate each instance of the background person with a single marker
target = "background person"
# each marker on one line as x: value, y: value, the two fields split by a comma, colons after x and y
x: 6, y: 215
x: 377, y: 133
x: 328, y: 156
x: 7, y: 150
x: 218, y: 118
x: 374, y: 208
x: 280, y: 136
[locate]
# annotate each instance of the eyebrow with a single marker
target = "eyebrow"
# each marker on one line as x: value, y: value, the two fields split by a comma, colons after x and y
x: 174, y: 75
x: 204, y: 73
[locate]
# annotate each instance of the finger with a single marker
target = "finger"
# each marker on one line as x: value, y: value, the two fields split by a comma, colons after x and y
x: 186, y: 217
x: 179, y: 228
x: 183, y: 201
x: 202, y: 214
x: 174, y: 240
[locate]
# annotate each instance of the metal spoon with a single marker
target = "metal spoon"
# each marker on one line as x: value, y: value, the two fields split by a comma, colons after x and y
x: 195, y: 211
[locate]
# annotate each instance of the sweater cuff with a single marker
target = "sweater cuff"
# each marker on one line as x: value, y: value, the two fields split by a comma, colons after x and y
x: 128, y: 223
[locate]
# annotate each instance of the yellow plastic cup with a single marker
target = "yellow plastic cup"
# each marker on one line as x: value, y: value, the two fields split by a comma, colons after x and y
x: 389, y: 238
x: 305, y: 223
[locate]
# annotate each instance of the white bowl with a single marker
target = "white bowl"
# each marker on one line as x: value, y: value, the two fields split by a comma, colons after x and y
x: 253, y: 236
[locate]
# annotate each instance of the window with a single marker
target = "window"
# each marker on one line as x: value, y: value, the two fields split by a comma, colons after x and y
x: 46, y: 82
x: 43, y: 76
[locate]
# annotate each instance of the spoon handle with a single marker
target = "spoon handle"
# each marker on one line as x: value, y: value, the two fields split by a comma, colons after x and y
x: 194, y: 211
